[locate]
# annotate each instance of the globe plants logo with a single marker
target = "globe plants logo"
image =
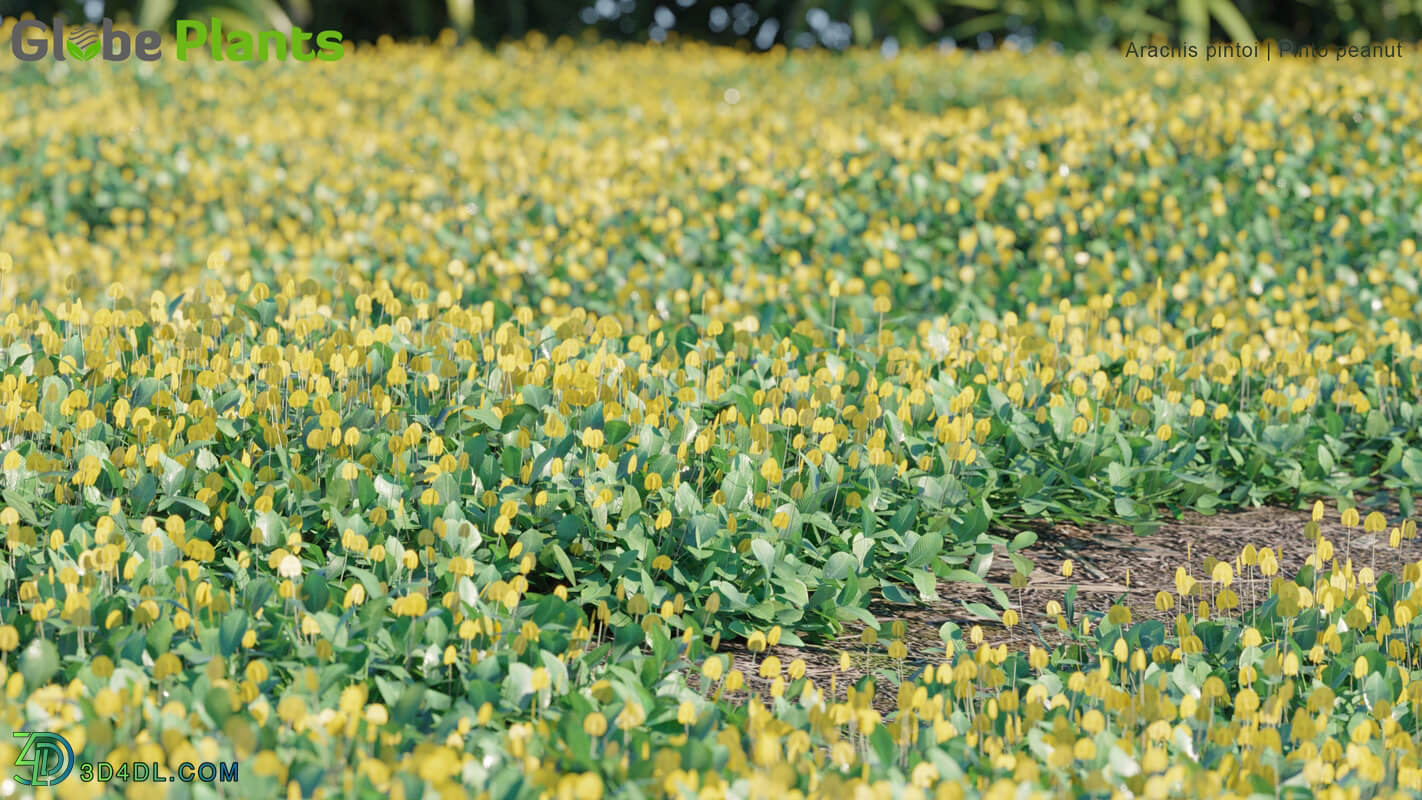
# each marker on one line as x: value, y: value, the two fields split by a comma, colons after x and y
x: 32, y: 40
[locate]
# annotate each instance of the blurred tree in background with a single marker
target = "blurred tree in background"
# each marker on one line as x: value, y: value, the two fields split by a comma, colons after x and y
x: 762, y: 24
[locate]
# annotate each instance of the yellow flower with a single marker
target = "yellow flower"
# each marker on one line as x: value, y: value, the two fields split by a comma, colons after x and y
x: 631, y: 716
x: 413, y: 605
x: 755, y: 642
x: 1037, y: 658
x: 770, y: 667
x: 770, y: 470
x: 594, y: 724
x: 713, y: 668
x: 1222, y: 574
x: 354, y: 596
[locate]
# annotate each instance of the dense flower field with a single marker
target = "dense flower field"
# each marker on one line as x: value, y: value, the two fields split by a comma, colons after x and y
x: 437, y: 422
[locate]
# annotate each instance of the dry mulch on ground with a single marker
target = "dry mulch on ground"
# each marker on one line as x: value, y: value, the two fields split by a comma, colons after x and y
x: 1101, y: 556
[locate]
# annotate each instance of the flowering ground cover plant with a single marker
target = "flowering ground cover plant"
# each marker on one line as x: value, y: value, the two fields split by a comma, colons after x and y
x: 441, y: 422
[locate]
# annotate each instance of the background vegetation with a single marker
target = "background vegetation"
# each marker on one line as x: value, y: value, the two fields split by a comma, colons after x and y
x: 446, y: 422
x: 835, y: 24
x: 585, y: 422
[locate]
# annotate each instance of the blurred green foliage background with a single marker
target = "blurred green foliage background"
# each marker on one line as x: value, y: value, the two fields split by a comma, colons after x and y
x: 761, y: 24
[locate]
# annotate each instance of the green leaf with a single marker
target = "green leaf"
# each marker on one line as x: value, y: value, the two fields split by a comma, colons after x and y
x: 764, y: 552
x: 408, y: 705
x: 229, y: 636
x: 927, y: 585
x: 894, y: 594
x: 795, y: 592
x: 839, y: 566
x: 315, y: 592
x: 1117, y: 474
x: 564, y: 563
x: 1376, y: 425
x: 974, y: 523
x: 1411, y: 463
x: 143, y: 393
x: 966, y: 576
x: 1325, y: 459
x: 1125, y: 507
x: 1022, y: 541
x: 160, y: 636
x: 217, y: 701
x: 1021, y: 563
x: 737, y: 484
x: 187, y: 503
x: 686, y: 502
x: 981, y: 611
x: 925, y: 549
x: 22, y: 506
x: 1376, y: 688
x: 511, y: 461
x: 38, y: 663
x: 487, y: 418
x: 857, y: 613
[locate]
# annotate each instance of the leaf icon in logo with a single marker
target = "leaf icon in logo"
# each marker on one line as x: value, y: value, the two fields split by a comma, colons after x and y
x: 82, y: 53
x: 83, y: 44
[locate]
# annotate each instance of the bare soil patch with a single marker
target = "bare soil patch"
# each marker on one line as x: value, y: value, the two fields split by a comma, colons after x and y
x: 1101, y: 556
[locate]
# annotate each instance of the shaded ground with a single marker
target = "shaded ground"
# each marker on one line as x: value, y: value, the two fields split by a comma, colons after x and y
x: 1101, y: 556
